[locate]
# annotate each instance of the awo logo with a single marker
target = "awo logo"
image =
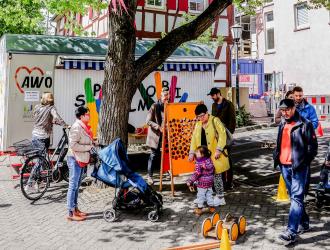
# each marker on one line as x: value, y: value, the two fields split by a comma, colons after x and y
x: 32, y: 78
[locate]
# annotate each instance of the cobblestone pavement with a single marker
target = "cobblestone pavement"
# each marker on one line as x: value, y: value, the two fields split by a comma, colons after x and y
x: 42, y: 225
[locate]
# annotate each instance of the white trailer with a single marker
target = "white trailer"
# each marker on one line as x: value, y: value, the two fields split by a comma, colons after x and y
x: 72, y: 69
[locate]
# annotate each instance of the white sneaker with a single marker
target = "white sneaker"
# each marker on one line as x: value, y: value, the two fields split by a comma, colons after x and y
x: 150, y: 180
x: 219, y: 201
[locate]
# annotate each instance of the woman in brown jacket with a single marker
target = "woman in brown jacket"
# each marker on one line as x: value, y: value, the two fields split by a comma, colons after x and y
x: 80, y: 144
x: 155, y: 121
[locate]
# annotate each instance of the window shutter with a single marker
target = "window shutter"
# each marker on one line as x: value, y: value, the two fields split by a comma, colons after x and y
x: 140, y: 3
x: 171, y: 4
x: 183, y: 5
x: 90, y: 13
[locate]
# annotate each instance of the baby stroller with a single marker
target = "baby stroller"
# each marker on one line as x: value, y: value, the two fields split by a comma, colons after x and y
x: 131, y: 190
x: 323, y: 188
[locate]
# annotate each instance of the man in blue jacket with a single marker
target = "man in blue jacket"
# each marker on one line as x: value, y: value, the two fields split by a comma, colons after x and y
x: 296, y: 148
x: 304, y: 108
x: 308, y: 112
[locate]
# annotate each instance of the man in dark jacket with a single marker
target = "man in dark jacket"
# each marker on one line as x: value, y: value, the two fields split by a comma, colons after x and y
x: 296, y: 148
x: 225, y: 111
x: 155, y: 120
x: 303, y: 107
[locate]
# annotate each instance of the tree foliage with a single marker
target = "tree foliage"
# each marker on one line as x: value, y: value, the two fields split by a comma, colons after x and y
x: 21, y: 17
x: 316, y: 4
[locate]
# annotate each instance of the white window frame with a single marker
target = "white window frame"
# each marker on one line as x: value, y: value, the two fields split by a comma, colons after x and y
x: 267, y: 26
x: 305, y: 25
x: 196, y: 11
x: 153, y: 6
x: 266, y: 3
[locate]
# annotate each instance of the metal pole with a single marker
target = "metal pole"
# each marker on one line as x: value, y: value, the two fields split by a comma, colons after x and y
x: 237, y: 78
x: 273, y: 98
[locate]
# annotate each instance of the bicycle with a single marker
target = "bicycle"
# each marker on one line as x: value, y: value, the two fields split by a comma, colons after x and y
x: 42, y: 167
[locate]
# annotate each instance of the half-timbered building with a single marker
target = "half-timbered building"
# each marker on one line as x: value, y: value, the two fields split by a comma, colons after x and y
x: 155, y: 17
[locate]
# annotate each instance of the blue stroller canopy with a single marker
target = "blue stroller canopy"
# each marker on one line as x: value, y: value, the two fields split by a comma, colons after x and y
x: 115, y: 157
x: 115, y: 163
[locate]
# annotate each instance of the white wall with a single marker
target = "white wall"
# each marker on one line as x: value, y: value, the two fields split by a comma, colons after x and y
x: 303, y: 56
x: 69, y: 92
x: 3, y: 83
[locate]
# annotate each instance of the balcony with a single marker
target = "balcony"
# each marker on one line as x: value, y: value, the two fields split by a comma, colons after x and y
x: 244, y: 49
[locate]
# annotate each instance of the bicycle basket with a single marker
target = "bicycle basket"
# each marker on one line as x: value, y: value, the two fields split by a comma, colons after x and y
x: 25, y: 147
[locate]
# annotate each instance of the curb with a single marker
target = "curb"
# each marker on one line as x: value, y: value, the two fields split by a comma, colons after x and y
x: 254, y: 127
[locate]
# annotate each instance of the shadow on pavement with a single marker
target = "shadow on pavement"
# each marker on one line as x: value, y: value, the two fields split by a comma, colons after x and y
x: 256, y: 184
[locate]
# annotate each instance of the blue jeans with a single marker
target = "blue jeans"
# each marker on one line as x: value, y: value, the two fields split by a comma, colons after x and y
x: 295, y: 181
x: 42, y: 145
x: 75, y: 172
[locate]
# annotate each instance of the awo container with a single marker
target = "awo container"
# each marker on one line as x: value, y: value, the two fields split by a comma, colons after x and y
x: 72, y: 69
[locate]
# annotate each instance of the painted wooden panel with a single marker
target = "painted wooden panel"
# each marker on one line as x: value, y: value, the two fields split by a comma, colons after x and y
x: 85, y: 21
x: 171, y: 4
x: 183, y: 5
x: 140, y: 3
x: 138, y: 20
x: 170, y: 22
x: 179, y: 20
x: 220, y: 73
x: 102, y: 26
x: 223, y: 27
x: 149, y: 22
x: 223, y: 52
x: 160, y: 23
x: 95, y: 27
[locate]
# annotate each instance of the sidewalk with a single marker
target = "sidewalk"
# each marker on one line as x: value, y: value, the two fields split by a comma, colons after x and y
x: 42, y: 225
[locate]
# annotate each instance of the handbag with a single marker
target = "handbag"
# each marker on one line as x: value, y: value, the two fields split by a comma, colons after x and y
x: 229, y: 136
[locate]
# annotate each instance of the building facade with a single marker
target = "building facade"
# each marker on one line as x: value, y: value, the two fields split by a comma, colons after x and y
x: 293, y: 40
x: 154, y: 17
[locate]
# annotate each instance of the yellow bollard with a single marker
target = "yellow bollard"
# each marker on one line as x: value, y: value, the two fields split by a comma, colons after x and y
x: 282, y: 194
x: 225, y: 243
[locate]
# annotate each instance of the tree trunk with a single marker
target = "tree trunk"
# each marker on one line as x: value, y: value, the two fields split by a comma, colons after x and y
x: 120, y: 76
x: 123, y: 74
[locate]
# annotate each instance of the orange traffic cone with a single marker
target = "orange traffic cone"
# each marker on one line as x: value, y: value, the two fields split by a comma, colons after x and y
x: 282, y: 194
x: 225, y: 243
x: 319, y: 130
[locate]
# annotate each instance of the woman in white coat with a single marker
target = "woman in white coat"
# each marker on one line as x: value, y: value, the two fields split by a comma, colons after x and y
x: 80, y: 144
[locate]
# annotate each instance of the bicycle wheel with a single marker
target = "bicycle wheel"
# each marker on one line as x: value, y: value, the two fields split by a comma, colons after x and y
x: 35, y: 177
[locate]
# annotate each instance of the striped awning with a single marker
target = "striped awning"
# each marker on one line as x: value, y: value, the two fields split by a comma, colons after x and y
x: 99, y: 65
x: 80, y: 64
x: 187, y: 67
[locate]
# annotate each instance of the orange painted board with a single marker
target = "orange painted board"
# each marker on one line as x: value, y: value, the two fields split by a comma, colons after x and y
x: 158, y: 84
x: 181, y: 121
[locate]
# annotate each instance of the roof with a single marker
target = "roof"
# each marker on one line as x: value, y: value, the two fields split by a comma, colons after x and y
x: 82, y: 46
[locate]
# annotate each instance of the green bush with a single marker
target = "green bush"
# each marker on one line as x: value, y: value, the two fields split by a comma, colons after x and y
x: 243, y: 118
